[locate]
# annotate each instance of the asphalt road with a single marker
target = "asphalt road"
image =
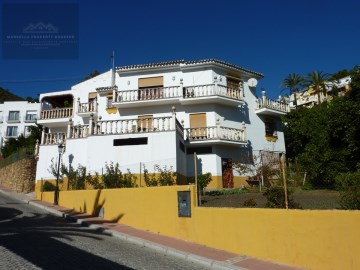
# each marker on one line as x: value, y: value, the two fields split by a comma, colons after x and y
x: 30, y: 238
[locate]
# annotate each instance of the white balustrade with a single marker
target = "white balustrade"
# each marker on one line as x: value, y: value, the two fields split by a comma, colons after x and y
x: 215, y: 133
x: 108, y: 127
x: 87, y: 107
x: 79, y: 131
x: 56, y: 113
x: 211, y: 90
x: 272, y: 104
x: 54, y: 138
x: 148, y: 94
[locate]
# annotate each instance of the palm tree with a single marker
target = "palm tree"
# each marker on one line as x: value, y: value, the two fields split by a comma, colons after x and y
x: 318, y: 80
x: 293, y: 82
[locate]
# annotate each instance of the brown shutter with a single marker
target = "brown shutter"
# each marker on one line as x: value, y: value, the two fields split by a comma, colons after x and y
x: 151, y: 82
x: 92, y: 95
x: 198, y: 120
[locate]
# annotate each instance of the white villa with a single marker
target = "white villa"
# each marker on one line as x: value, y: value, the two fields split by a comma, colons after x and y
x: 16, y: 117
x: 161, y: 114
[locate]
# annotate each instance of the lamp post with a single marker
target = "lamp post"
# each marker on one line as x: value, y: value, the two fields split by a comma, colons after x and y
x: 56, y: 194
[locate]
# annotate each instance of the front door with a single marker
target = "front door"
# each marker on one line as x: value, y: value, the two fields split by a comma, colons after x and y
x: 227, y: 173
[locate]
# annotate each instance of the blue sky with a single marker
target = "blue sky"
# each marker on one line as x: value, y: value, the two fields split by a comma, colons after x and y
x: 275, y: 38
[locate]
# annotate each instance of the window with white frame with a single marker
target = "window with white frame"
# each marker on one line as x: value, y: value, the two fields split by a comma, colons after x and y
x: 14, y: 116
x: 12, y: 131
x: 31, y: 116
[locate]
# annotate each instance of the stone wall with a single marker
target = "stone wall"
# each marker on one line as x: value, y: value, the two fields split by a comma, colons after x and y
x: 20, y: 175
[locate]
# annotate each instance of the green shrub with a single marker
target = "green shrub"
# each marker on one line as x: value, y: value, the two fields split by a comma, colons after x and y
x: 165, y: 177
x: 76, y: 178
x: 275, y: 196
x: 48, y: 186
x: 114, y: 178
x: 250, y: 203
x: 203, y: 180
x: 349, y: 187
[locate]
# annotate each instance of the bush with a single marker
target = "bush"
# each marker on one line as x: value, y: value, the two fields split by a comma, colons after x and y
x: 47, y: 186
x: 349, y: 186
x: 166, y: 177
x: 76, y: 178
x: 275, y: 196
x: 250, y: 203
x: 114, y: 178
x: 203, y: 180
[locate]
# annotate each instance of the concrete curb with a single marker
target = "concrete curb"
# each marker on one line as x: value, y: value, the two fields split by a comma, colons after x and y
x: 132, y: 239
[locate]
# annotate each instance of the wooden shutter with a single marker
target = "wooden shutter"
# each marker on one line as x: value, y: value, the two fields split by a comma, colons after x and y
x: 151, y: 82
x: 198, y: 126
x: 92, y: 95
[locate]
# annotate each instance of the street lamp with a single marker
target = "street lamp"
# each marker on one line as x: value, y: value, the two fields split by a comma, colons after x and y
x: 56, y: 194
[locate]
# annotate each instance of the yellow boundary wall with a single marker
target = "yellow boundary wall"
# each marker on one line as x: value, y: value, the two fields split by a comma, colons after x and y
x: 312, y: 239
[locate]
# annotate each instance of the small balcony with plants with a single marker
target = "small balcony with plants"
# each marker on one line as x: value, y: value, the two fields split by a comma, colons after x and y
x: 56, y: 110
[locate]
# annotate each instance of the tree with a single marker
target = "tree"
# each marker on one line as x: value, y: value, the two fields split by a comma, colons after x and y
x: 318, y: 80
x: 325, y: 138
x: 14, y: 144
x: 294, y: 83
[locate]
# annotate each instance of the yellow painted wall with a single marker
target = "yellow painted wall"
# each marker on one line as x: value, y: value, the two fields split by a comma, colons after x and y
x: 313, y: 239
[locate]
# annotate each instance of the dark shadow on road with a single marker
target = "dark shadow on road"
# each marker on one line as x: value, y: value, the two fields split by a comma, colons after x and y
x: 40, y: 239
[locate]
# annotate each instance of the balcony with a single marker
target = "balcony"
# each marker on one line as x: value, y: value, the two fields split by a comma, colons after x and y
x: 267, y: 106
x: 211, y: 93
x: 87, y: 108
x: 216, y: 135
x: 55, y: 117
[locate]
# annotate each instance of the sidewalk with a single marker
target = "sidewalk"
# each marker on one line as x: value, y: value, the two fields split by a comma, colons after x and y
x: 217, y: 259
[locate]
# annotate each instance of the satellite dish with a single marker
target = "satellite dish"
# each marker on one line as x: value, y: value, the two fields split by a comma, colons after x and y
x: 252, y: 82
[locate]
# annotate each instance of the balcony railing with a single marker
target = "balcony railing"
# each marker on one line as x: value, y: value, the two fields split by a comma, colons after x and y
x: 87, y: 107
x: 179, y: 92
x: 213, y: 90
x: 79, y: 131
x: 215, y: 133
x: 108, y: 127
x: 149, y: 94
x: 56, y: 113
x: 272, y: 104
x: 53, y: 138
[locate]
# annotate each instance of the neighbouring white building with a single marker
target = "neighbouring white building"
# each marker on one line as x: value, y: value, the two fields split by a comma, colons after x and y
x: 16, y: 117
x: 160, y: 114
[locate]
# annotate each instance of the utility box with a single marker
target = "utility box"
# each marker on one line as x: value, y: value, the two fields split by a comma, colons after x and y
x: 184, y: 204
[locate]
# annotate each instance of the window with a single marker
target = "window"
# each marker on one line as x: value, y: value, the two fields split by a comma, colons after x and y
x: 131, y: 141
x: 92, y: 101
x: 31, y: 116
x: 150, y: 88
x: 109, y: 101
x: 12, y: 131
x: 198, y: 126
x: 1, y: 117
x: 270, y: 128
x: 14, y: 116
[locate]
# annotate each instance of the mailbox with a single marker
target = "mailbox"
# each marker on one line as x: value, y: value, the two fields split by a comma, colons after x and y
x: 184, y: 204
